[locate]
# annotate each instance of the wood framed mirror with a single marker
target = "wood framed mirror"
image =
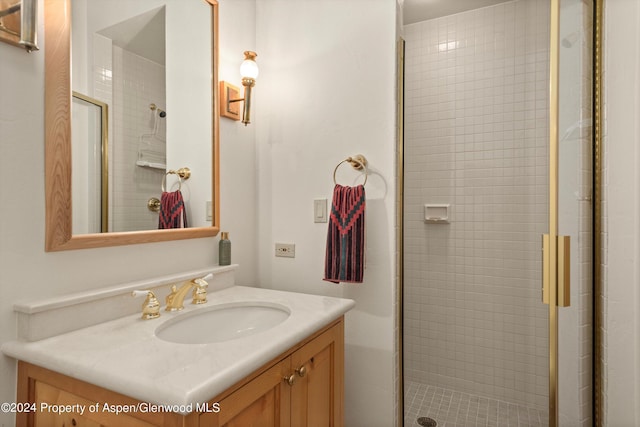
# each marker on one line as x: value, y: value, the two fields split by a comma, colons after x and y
x: 58, y: 141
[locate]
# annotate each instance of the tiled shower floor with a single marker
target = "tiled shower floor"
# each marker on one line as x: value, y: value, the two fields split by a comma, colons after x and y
x: 454, y: 409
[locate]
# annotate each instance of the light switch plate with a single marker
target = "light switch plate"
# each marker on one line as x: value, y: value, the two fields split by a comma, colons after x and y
x: 320, y: 210
x: 209, y: 210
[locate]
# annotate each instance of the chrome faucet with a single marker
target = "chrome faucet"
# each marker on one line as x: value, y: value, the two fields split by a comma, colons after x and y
x: 198, y: 286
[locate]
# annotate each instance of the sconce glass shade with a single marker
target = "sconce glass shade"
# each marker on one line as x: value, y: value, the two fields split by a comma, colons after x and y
x: 249, y: 73
x: 249, y: 67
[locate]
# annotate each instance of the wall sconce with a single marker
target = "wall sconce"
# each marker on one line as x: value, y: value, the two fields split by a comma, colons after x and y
x: 18, y: 23
x: 229, y: 94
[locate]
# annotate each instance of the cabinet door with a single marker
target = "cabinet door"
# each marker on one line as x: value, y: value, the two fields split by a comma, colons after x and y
x: 263, y: 402
x: 317, y: 394
x: 45, y: 393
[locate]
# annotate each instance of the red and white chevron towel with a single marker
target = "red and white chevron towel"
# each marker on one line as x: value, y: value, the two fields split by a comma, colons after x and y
x: 344, y: 258
x: 173, y: 213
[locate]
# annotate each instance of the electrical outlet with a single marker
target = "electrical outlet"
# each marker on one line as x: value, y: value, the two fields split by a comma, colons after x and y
x: 286, y: 250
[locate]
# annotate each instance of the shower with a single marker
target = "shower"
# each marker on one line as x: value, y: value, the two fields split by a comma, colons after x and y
x: 152, y: 145
x: 476, y: 138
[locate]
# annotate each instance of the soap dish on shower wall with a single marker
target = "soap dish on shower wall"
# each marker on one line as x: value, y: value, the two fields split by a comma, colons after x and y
x: 436, y: 214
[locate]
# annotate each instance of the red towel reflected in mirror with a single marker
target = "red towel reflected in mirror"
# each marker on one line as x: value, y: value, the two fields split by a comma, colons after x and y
x: 173, y: 213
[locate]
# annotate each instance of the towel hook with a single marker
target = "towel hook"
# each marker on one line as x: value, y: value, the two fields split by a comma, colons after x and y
x: 183, y: 173
x: 358, y: 162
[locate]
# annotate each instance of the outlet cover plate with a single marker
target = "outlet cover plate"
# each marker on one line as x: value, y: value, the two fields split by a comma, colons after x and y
x: 286, y: 250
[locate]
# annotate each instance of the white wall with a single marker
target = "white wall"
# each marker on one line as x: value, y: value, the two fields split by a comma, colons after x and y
x: 27, y: 272
x: 621, y: 260
x: 326, y: 91
x: 239, y: 179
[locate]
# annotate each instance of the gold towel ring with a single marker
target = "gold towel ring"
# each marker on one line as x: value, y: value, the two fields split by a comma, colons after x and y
x: 358, y: 162
x: 164, y: 181
x: 183, y: 173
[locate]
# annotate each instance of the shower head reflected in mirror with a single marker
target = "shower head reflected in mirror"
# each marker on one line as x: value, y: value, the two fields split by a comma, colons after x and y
x: 160, y: 111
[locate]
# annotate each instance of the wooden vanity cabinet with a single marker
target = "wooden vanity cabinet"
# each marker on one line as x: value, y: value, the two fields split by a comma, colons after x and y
x: 302, y: 387
x: 306, y: 388
x: 40, y: 386
x: 317, y: 394
x: 55, y: 396
x: 264, y: 401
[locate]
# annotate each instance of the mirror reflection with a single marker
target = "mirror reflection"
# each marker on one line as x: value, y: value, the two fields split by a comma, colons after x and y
x: 150, y: 62
x: 90, y: 119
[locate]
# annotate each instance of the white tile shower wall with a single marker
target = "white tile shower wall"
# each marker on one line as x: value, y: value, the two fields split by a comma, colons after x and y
x: 476, y: 113
x: 138, y: 83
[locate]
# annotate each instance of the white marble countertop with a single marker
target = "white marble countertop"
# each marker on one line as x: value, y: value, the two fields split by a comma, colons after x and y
x: 125, y: 356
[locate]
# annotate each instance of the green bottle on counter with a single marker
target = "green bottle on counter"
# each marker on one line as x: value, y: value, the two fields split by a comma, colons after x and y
x: 224, y: 249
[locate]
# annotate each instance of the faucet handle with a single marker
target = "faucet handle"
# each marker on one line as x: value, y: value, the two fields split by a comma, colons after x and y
x: 150, y: 306
x: 200, y: 290
x: 202, y: 281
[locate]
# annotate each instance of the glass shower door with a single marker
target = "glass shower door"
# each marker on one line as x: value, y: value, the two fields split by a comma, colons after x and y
x: 479, y: 346
x: 571, y: 155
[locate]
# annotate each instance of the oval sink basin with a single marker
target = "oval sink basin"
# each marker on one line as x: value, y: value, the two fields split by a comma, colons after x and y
x: 221, y: 323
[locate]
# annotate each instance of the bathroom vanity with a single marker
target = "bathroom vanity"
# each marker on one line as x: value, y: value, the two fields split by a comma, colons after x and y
x: 120, y: 373
x: 304, y: 384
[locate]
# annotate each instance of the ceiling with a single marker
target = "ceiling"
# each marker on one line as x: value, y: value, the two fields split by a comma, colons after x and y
x: 421, y: 10
x: 143, y: 35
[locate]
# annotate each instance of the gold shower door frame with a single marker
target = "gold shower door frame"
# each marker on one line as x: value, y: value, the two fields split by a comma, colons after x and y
x: 550, y: 264
x: 556, y: 253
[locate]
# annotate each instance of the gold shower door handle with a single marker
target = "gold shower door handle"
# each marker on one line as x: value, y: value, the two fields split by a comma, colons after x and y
x: 545, y: 268
x: 563, y: 269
